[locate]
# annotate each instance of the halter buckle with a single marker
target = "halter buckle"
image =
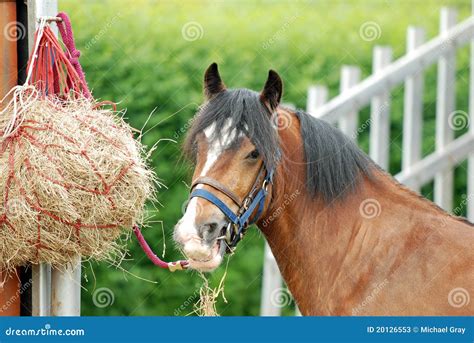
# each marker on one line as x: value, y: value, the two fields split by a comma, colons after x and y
x: 265, y: 185
x: 228, y: 233
x: 246, y: 203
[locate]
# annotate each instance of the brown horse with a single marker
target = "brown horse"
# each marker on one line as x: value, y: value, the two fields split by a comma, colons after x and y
x: 348, y: 239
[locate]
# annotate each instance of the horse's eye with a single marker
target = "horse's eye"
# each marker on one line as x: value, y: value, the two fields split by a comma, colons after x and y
x: 253, y: 155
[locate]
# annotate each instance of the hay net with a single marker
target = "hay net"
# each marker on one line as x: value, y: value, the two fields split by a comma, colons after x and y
x: 72, y: 177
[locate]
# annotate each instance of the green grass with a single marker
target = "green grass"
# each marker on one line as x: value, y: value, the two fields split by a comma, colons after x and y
x: 134, y: 53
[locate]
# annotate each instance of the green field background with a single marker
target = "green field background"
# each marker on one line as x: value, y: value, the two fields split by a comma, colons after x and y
x: 136, y: 53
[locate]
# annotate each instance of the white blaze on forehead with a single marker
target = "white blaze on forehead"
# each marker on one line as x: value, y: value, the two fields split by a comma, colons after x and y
x: 216, y: 146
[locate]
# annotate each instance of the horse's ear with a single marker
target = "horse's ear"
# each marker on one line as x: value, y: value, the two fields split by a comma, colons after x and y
x: 272, y: 91
x: 212, y: 81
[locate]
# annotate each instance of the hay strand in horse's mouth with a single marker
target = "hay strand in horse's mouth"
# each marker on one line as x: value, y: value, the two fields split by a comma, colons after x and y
x: 206, y: 306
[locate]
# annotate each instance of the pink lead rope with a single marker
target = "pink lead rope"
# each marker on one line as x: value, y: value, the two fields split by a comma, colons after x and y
x: 65, y: 29
x: 172, y: 266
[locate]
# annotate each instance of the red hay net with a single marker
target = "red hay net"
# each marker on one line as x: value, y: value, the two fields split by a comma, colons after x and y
x: 53, y: 72
x: 55, y: 76
x: 26, y: 134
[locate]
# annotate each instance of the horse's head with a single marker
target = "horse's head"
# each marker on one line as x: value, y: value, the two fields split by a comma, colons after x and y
x: 235, y: 148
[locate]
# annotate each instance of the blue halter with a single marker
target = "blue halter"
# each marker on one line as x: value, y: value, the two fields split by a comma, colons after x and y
x: 240, y: 220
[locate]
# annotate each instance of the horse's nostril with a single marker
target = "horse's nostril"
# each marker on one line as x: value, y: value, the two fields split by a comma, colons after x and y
x: 208, y: 229
x: 213, y: 227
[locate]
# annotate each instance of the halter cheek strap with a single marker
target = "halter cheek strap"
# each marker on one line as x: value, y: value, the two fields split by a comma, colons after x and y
x: 239, y: 220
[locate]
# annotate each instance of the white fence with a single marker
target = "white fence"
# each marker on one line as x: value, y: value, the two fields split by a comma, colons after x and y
x: 375, y: 91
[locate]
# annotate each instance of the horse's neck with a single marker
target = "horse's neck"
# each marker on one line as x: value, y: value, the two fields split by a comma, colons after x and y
x: 313, y: 244
x: 331, y: 255
x: 336, y: 257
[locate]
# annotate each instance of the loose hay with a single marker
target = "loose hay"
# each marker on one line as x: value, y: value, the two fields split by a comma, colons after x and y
x: 206, y: 305
x: 72, y: 179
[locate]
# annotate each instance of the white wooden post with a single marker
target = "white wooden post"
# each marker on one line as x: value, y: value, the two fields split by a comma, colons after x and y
x: 350, y: 76
x: 413, y: 107
x: 66, y: 289
x: 380, y: 112
x: 41, y: 274
x: 41, y: 290
x: 470, y: 161
x: 54, y: 291
x: 271, y: 282
x: 445, y: 105
x: 317, y: 96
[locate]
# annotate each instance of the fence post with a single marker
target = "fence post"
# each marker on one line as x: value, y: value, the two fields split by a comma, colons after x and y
x: 413, y: 107
x: 66, y: 289
x: 350, y: 76
x: 445, y: 105
x: 380, y: 112
x: 317, y: 96
x: 41, y: 274
x: 271, y: 283
x: 55, y: 291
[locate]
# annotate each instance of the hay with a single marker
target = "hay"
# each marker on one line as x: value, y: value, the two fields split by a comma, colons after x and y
x: 72, y: 180
x: 206, y: 305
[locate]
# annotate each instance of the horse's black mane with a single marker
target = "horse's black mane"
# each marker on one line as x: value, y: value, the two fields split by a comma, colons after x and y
x: 334, y: 163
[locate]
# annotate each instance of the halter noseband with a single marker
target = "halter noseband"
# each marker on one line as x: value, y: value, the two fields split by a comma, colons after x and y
x: 240, y: 220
